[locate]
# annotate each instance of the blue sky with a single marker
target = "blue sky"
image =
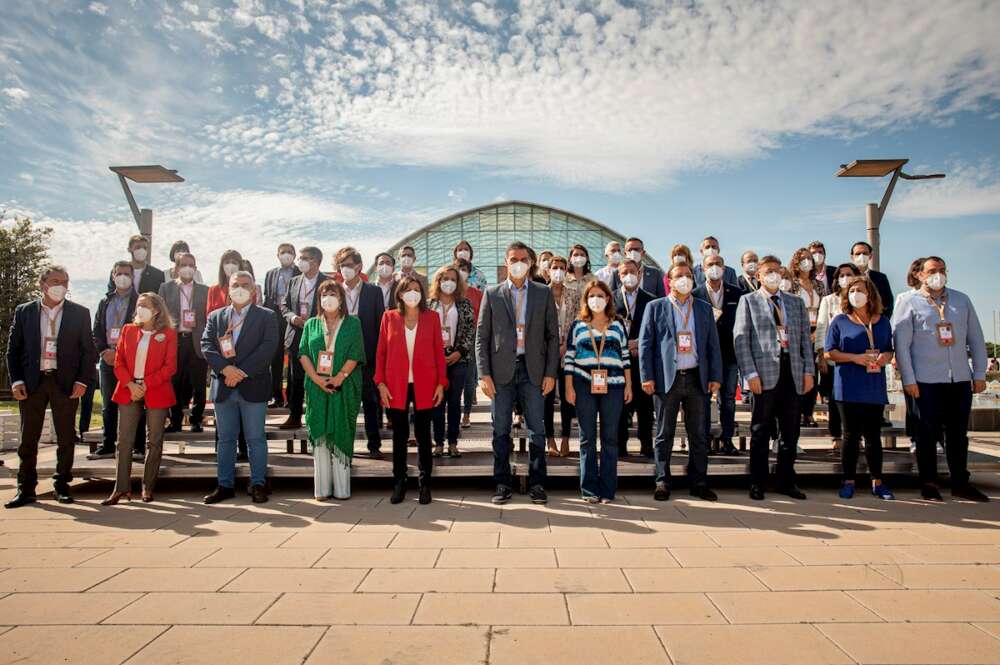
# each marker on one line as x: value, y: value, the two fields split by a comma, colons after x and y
x: 357, y: 122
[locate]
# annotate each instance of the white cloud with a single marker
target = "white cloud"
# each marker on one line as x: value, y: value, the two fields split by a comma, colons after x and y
x: 967, y: 190
x: 456, y: 195
x: 98, y: 8
x: 487, y: 16
x: 26, y: 178
x: 261, y: 92
x: 17, y: 96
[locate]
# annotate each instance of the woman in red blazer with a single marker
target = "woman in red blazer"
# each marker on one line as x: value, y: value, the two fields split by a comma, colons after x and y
x: 410, y: 369
x: 145, y: 363
x: 218, y: 294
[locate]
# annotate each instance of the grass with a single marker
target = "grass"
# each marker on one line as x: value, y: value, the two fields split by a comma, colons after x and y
x: 96, y: 421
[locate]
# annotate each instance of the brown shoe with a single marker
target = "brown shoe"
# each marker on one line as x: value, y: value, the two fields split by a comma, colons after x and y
x: 291, y: 423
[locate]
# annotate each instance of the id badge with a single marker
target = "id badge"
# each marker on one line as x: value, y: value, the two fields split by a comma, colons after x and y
x: 783, y: 337
x: 113, y: 336
x: 49, y: 348
x: 226, y: 346
x: 685, y: 342
x: 187, y: 318
x: 324, y: 363
x: 304, y: 310
x: 813, y: 317
x: 446, y: 336
x: 599, y: 381
x: 717, y: 312
x: 520, y: 337
x: 873, y: 366
x: 945, y: 334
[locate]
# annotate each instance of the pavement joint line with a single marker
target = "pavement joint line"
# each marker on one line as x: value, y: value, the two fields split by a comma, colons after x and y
x: 100, y: 552
x: 270, y: 605
x: 627, y: 580
x: 140, y: 595
x: 416, y: 608
x: 222, y: 589
x: 319, y: 639
x: 437, y: 558
x: 663, y: 645
x: 357, y: 587
x: 111, y: 577
x: 153, y: 639
x: 818, y: 627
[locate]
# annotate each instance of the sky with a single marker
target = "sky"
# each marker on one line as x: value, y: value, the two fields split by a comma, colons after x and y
x: 360, y: 121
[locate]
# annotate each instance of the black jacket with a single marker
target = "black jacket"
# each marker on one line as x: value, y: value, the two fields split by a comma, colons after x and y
x: 76, y: 356
x: 881, y: 283
x: 255, y: 347
x: 100, y: 320
x: 724, y: 324
x: 370, y: 310
x: 271, y: 287
x: 642, y: 298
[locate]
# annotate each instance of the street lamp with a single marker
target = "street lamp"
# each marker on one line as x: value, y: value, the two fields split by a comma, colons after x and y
x: 144, y: 175
x: 879, y: 168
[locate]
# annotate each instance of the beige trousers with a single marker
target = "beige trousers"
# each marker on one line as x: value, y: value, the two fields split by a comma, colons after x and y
x: 128, y: 420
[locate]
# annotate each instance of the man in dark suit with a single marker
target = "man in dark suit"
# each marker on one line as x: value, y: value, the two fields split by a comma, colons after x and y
x: 630, y: 302
x: 517, y: 351
x: 826, y: 274
x: 748, y: 278
x: 145, y: 278
x: 385, y: 272
x: 276, y: 284
x: 364, y: 301
x: 861, y: 256
x: 187, y: 301
x: 724, y: 299
x: 300, y: 304
x: 680, y: 365
x: 50, y: 359
x: 238, y: 344
x: 710, y: 247
x: 651, y: 279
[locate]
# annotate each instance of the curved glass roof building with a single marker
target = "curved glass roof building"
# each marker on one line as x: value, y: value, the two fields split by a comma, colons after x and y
x: 491, y: 228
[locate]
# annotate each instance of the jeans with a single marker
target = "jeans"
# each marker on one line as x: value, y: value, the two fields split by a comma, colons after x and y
x: 471, y: 381
x: 189, y: 382
x: 451, y: 405
x: 566, y: 411
x: 598, y: 481
x: 859, y: 420
x: 686, y: 391
x: 780, y: 404
x: 727, y: 404
x: 401, y: 433
x: 520, y: 389
x: 943, y: 407
x: 109, y: 412
x: 229, y: 416
x: 642, y: 406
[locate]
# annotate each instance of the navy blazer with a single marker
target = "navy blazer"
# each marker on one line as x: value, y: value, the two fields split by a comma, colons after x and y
x: 652, y: 281
x: 371, y: 307
x: 642, y: 298
x: 724, y: 325
x: 255, y: 348
x: 658, y: 346
x: 100, y: 319
x: 76, y: 357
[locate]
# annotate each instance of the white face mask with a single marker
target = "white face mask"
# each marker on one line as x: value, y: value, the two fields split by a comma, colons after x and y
x: 330, y: 303
x: 303, y: 265
x: 862, y: 260
x: 448, y: 286
x: 140, y: 254
x: 186, y: 273
x: 384, y: 269
x: 411, y: 298
x: 56, y: 293
x: 239, y: 295
x: 578, y: 261
x: 348, y: 274
x: 143, y: 314
x: 819, y: 258
x: 557, y: 275
x: 597, y: 303
x: 714, y: 272
x: 710, y: 251
x: 614, y: 258
x: 517, y: 269
x: 286, y: 259
x: 123, y: 281
x: 786, y: 285
x: 635, y: 255
x: 936, y: 281
x: 680, y: 260
x: 751, y: 267
x: 230, y: 268
x: 464, y: 254
x: 857, y: 299
x: 772, y: 281
x: 406, y: 261
x: 544, y: 264
x: 805, y: 265
x: 630, y: 281
x: 843, y: 281
x: 682, y: 285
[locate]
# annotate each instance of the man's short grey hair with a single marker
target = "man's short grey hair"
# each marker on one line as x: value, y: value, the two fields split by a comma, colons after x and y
x: 51, y: 268
x: 607, y: 247
x: 242, y: 273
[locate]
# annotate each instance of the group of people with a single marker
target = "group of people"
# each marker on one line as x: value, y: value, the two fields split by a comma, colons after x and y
x: 628, y: 343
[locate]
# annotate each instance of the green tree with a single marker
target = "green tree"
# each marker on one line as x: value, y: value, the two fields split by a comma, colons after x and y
x: 24, y: 249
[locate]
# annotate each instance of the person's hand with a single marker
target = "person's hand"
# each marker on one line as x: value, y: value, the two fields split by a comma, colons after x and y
x: 756, y: 387
x: 486, y: 385
x: 327, y: 385
x: 628, y: 393
x: 20, y: 392
x: 453, y: 357
x: 562, y: 350
x: 978, y: 386
x: 78, y: 390
x: 821, y: 364
x: 108, y: 356
x: 633, y: 347
x: 319, y: 379
x: 136, y: 391
x: 860, y: 359
x: 912, y: 390
x: 548, y: 385
x: 336, y: 380
x: 648, y: 387
x: 713, y: 386
x: 438, y: 395
x: 384, y: 394
x: 298, y: 322
x: 570, y: 395
x: 807, y: 382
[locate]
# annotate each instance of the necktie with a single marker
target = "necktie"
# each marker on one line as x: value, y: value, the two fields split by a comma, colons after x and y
x: 774, y: 310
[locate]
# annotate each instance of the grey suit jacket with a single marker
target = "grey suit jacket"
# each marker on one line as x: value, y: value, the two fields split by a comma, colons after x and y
x: 170, y: 291
x: 496, y: 340
x: 755, y: 336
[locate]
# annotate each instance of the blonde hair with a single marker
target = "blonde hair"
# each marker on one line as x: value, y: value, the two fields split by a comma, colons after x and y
x: 161, y: 315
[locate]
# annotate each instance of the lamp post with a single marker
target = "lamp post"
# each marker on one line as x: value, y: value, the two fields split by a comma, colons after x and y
x: 874, y: 213
x: 143, y: 174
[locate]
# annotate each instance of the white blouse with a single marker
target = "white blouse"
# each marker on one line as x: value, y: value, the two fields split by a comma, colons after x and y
x: 411, y: 340
x: 140, y: 354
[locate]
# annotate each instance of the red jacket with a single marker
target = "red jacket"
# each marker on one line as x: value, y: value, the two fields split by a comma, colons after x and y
x: 161, y: 365
x: 392, y: 360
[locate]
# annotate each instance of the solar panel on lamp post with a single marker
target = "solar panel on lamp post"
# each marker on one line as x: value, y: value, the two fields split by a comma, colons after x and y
x: 874, y: 212
x: 145, y: 175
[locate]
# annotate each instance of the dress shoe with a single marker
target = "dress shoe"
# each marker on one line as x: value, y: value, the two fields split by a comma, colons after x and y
x: 728, y: 448
x: 502, y: 495
x: 375, y: 453
x: 138, y: 455
x: 197, y: 428
x: 258, y: 494
x: 538, y: 495
x: 969, y: 493
x: 756, y: 493
x: 21, y: 499
x: 930, y: 493
x: 661, y: 493
x: 220, y: 494
x: 172, y: 428
x: 398, y: 492
x: 792, y: 492
x: 276, y: 404
x: 102, y: 453
x: 703, y: 493
x: 61, y: 493
x: 116, y: 497
x: 647, y: 452
x: 291, y: 423
x: 425, y: 494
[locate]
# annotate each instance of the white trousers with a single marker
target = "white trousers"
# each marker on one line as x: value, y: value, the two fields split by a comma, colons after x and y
x: 331, y: 477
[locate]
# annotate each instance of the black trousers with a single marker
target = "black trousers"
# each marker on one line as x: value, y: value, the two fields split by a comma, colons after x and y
x: 642, y: 406
x: 296, y: 384
x: 278, y: 365
x: 401, y: 434
x: 859, y: 420
x: 566, y: 411
x: 826, y: 390
x: 189, y: 382
x: 86, y: 409
x: 943, y: 407
x: 371, y: 406
x: 780, y: 403
x: 32, y: 410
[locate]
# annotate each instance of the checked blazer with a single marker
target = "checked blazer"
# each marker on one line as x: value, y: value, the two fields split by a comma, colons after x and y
x: 755, y: 336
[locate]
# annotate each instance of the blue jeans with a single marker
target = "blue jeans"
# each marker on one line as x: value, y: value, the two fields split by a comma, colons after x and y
x: 601, y: 483
x: 451, y: 405
x: 229, y: 415
x: 686, y: 391
x: 471, y: 382
x: 727, y: 404
x: 530, y: 396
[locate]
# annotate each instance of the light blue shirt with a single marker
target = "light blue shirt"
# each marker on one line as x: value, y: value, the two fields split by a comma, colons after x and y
x: 235, y: 319
x: 919, y: 356
x: 520, y: 298
x: 685, y: 360
x: 284, y: 277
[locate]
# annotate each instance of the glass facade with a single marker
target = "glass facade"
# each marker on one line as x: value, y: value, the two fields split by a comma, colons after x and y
x: 492, y: 228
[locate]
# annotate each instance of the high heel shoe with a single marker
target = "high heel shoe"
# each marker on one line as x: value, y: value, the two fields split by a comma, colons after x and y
x: 553, y: 450
x: 116, y: 497
x: 564, y: 448
x: 147, y: 498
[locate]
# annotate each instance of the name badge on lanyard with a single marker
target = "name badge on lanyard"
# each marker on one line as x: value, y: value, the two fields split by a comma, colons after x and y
x: 113, y: 336
x: 945, y: 334
x: 227, y: 346
x: 446, y: 336
x: 685, y: 341
x: 717, y: 312
x: 782, y: 337
x: 324, y: 363
x: 873, y: 367
x: 49, y: 348
x: 187, y: 318
x: 599, y: 381
x: 813, y: 317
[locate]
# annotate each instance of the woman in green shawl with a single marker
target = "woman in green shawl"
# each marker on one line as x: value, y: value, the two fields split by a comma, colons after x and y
x: 330, y: 351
